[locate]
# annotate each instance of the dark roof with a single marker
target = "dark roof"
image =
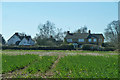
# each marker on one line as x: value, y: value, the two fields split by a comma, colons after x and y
x: 98, y: 35
x: 77, y: 35
x: 21, y: 36
x: 83, y: 35
x: 28, y: 37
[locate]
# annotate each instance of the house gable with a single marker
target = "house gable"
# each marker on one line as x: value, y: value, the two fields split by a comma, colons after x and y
x: 24, y: 41
x: 13, y: 40
x: 31, y: 41
x: 19, y: 39
x: 27, y: 41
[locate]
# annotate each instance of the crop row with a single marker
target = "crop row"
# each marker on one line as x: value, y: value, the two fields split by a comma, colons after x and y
x: 87, y: 67
x: 32, y: 64
x: 42, y: 64
x: 77, y: 66
x: 11, y: 63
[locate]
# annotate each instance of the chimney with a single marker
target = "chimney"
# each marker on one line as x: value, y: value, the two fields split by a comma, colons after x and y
x: 51, y: 36
x: 16, y: 33
x: 89, y: 31
x: 68, y: 32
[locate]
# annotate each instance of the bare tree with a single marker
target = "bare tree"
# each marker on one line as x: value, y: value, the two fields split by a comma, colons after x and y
x: 48, y: 34
x: 82, y: 30
x: 46, y: 30
x: 59, y: 34
x: 112, y: 32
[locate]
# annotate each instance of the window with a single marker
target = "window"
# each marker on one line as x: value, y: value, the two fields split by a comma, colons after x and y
x: 100, y: 40
x: 90, y: 40
x: 80, y: 40
x: 94, y: 40
x: 69, y: 40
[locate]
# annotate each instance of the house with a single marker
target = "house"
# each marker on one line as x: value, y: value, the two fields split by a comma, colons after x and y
x: 20, y: 39
x: 2, y: 40
x: 78, y: 39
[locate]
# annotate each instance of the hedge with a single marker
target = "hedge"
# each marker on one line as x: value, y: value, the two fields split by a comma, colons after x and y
x: 93, y: 47
x: 90, y: 47
x: 109, y: 48
x: 62, y: 47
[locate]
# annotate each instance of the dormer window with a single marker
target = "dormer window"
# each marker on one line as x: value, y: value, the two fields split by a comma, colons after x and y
x: 90, y: 40
x: 69, y: 40
x: 80, y: 40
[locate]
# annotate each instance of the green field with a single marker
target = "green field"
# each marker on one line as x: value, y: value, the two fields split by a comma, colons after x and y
x: 59, y: 64
x: 11, y: 63
x: 87, y: 66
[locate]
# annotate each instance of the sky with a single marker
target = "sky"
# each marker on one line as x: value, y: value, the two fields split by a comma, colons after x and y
x: 26, y: 16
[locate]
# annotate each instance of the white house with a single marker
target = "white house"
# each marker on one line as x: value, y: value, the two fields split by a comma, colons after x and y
x: 20, y: 39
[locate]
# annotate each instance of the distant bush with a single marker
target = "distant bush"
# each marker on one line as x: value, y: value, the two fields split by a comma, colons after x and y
x: 107, y: 44
x: 97, y: 48
x: 86, y: 47
x: 92, y: 47
x: 109, y: 48
x: 66, y: 46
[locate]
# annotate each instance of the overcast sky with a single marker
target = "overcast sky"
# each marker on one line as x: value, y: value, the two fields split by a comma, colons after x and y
x: 26, y: 16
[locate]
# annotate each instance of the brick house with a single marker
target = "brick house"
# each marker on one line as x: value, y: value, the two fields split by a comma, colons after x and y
x: 78, y: 39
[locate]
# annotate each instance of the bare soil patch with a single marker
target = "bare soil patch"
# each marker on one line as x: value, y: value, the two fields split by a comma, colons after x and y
x: 53, y: 53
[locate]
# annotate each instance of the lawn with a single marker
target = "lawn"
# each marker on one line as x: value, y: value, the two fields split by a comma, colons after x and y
x: 33, y: 64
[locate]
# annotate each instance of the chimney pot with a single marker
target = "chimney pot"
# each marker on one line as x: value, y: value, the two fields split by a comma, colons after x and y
x: 89, y: 31
x: 16, y: 33
x: 51, y: 36
x: 68, y: 32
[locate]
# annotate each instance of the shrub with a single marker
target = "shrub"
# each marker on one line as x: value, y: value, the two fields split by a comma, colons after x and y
x: 67, y: 46
x: 86, y: 47
x: 92, y: 47
x: 107, y: 44
x: 109, y: 48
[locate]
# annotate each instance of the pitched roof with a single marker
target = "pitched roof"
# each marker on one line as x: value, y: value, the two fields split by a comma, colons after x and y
x: 83, y: 35
x: 28, y: 37
x: 77, y: 35
x: 97, y: 35
x: 21, y: 36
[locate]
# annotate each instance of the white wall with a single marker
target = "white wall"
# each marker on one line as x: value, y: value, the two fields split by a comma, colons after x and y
x: 13, y: 40
x: 31, y: 42
x: 24, y: 42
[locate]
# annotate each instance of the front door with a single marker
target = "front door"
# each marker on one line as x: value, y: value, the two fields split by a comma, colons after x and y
x: 75, y: 45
